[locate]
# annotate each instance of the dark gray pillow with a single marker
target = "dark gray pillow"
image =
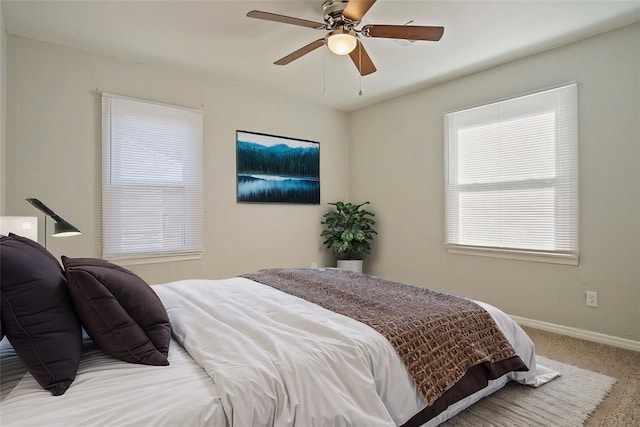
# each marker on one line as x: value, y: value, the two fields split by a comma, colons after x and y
x: 119, y: 310
x: 37, y: 315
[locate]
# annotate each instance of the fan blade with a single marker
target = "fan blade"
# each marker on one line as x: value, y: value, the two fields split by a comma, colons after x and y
x: 362, y: 61
x: 407, y: 32
x: 285, y: 19
x: 356, y: 9
x: 300, y: 52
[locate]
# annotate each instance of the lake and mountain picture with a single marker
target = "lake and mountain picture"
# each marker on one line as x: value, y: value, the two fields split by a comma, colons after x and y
x: 275, y: 169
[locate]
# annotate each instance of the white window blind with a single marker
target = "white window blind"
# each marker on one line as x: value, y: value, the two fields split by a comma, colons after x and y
x: 512, y: 175
x: 152, y: 198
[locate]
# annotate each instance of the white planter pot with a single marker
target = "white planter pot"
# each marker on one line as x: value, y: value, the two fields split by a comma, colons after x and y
x: 351, y: 265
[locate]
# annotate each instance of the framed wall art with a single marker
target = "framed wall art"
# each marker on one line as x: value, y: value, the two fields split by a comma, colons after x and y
x: 277, y: 169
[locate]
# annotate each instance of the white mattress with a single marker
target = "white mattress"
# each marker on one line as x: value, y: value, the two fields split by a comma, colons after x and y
x: 108, y: 392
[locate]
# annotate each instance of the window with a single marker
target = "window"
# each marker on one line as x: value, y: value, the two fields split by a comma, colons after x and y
x: 151, y: 179
x: 512, y: 177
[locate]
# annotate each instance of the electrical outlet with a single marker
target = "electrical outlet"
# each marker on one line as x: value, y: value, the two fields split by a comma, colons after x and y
x: 591, y: 298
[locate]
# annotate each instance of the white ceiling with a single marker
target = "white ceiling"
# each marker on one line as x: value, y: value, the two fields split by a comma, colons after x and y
x: 216, y: 37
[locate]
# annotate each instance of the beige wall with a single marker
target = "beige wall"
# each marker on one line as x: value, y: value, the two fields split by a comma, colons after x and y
x: 3, y: 103
x: 397, y: 162
x: 53, y: 143
x: 391, y: 154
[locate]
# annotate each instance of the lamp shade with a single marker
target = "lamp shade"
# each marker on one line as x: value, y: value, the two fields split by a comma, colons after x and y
x: 341, y: 42
x: 64, y: 229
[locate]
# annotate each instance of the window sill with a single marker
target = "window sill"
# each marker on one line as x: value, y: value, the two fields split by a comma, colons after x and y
x: 158, y: 259
x: 517, y: 255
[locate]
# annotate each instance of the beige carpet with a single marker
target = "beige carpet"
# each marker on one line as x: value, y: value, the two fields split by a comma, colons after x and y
x: 622, y: 406
x: 566, y: 401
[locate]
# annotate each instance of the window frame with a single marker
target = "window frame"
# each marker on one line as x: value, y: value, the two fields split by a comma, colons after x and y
x: 564, y: 176
x: 192, y: 223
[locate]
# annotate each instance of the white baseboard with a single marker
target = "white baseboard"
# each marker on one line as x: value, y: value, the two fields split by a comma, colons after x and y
x: 579, y: 333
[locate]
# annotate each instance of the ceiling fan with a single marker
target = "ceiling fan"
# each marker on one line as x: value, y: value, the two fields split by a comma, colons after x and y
x: 341, y: 17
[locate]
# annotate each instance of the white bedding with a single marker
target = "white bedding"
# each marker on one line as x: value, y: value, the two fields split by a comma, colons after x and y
x: 240, y: 332
x: 304, y: 366
x: 109, y: 392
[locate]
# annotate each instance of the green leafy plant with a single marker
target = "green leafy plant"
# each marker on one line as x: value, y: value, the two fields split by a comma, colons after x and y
x: 348, y: 230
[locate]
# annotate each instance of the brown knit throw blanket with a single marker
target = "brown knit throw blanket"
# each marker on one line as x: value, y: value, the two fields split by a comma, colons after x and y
x: 438, y: 336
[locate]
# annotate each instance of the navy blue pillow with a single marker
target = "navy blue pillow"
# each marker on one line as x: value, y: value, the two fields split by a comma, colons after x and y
x: 37, y: 315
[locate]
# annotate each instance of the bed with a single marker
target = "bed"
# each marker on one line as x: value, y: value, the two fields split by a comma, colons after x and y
x: 246, y: 352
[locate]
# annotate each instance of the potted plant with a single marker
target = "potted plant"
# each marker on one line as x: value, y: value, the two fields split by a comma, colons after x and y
x: 348, y: 233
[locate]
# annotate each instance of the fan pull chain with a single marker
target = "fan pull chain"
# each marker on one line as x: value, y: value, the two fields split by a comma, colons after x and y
x: 360, y: 66
x: 324, y: 72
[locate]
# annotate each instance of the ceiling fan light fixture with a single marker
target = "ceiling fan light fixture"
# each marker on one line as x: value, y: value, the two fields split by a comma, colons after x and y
x: 342, y: 42
x: 341, y: 19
